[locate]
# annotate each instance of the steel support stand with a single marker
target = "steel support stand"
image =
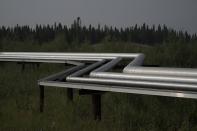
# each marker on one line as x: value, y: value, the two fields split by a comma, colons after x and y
x: 41, y: 98
x: 23, y: 66
x: 70, y: 94
x: 96, y: 101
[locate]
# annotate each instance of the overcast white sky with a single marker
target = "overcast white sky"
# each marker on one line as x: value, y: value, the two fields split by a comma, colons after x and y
x: 179, y: 14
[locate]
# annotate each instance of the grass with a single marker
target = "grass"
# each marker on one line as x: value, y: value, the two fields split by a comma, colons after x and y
x: 19, y: 94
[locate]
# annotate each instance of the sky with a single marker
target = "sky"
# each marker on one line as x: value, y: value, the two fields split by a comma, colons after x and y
x: 177, y: 14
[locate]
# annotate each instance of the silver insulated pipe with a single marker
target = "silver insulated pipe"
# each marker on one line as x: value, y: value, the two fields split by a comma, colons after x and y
x: 133, y: 75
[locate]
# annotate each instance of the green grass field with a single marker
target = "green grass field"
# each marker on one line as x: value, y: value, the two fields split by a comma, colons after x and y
x: 19, y: 94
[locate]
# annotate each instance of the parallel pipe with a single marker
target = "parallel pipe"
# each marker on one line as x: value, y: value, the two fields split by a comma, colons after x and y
x: 62, y: 74
x: 61, y: 57
x: 150, y: 77
x: 48, y: 60
x: 87, y: 69
x: 145, y: 84
x: 182, y: 72
x: 98, y: 55
x: 108, y: 65
x: 157, y: 78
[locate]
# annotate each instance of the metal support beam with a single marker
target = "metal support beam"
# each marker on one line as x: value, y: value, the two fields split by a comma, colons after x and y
x: 70, y: 94
x: 23, y: 67
x: 41, y: 98
x: 35, y: 65
x: 96, y: 101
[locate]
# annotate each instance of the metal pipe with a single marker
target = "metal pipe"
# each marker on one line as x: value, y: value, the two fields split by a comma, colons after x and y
x: 162, y: 82
x: 138, y: 61
x: 123, y: 76
x: 138, y: 83
x: 184, y: 72
x: 87, y: 69
x: 108, y: 65
x: 112, y: 55
x: 74, y: 63
x: 149, y: 77
x: 47, y: 60
x: 63, y: 73
x: 54, y: 57
x: 145, y: 84
x: 122, y: 89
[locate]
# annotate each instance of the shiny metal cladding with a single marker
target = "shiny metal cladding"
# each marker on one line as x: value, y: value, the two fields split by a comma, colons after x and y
x: 87, y: 69
x: 158, y: 78
x: 176, y: 82
x: 108, y: 65
x: 163, y: 71
x: 132, y: 83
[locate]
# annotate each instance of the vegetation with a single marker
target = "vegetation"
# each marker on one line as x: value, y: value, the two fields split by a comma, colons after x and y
x: 19, y: 94
x: 79, y: 34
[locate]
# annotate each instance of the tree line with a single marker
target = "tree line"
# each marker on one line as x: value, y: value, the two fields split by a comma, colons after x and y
x: 77, y: 33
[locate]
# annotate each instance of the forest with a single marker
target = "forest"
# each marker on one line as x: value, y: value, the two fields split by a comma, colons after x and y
x: 78, y: 33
